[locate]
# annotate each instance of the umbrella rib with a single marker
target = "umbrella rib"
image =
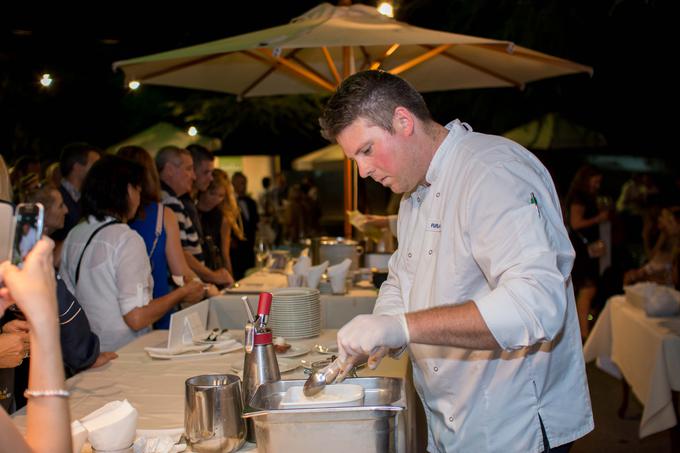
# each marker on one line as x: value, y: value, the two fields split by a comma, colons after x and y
x: 433, y: 52
x: 480, y: 68
x: 331, y: 64
x: 542, y: 58
x: 379, y: 61
x: 312, y: 70
x: 293, y: 67
x: 266, y: 74
x: 183, y: 65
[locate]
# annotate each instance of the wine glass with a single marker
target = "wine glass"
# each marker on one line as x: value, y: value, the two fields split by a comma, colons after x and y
x: 261, y: 253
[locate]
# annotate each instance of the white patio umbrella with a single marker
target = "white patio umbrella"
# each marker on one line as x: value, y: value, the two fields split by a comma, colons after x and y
x: 316, y: 51
x: 328, y: 157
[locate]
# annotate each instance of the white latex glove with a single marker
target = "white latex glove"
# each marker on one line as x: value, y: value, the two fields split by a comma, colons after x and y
x: 369, y: 335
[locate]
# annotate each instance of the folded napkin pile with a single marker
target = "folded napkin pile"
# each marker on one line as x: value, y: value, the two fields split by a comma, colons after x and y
x: 297, y: 276
x: 304, y: 274
x: 111, y: 427
x: 337, y: 274
x: 656, y: 300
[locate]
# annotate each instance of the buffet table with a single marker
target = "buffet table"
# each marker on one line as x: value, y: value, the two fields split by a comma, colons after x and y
x: 646, y: 353
x: 156, y: 387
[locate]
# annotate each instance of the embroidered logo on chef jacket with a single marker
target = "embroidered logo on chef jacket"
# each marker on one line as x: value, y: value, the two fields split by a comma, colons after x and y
x: 434, y: 225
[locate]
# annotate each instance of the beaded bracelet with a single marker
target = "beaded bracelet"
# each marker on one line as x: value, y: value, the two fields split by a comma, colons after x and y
x: 38, y: 393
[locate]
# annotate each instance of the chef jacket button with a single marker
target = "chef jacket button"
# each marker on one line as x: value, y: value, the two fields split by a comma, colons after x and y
x: 451, y: 419
x: 429, y: 252
x: 436, y: 369
x: 418, y: 199
x: 437, y: 194
x: 410, y: 254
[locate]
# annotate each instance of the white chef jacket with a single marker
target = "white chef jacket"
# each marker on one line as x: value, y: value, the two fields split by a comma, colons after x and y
x: 115, y: 278
x: 475, y: 234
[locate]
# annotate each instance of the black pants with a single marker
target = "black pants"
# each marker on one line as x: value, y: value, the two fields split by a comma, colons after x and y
x: 561, y: 449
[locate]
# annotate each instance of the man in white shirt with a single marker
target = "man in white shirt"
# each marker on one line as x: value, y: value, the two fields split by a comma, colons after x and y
x: 479, y: 290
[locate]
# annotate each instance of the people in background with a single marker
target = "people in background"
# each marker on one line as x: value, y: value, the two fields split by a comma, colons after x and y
x: 243, y: 250
x: 584, y: 218
x: 659, y: 266
x: 158, y: 226
x: 176, y: 169
x: 104, y: 261
x: 75, y: 161
x: 220, y: 217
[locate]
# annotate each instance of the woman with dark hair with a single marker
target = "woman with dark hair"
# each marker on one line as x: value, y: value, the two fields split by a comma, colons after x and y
x: 158, y: 226
x: 584, y: 218
x: 104, y: 262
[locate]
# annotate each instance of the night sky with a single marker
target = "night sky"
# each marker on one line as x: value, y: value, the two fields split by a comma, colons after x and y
x: 628, y: 42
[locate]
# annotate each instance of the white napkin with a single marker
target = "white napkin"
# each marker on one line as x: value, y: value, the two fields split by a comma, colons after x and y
x: 301, y: 267
x: 112, y: 426
x: 222, y: 345
x: 315, y: 273
x: 294, y: 280
x: 337, y: 274
x: 654, y: 299
x: 664, y: 302
x: 159, y: 441
x: 78, y: 436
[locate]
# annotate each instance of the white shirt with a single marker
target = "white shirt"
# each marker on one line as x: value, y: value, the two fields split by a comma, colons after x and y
x: 473, y: 234
x: 115, y: 278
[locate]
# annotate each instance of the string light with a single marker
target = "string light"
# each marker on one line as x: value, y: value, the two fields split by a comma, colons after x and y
x: 192, y: 131
x: 46, y: 80
x: 133, y: 85
x: 386, y: 9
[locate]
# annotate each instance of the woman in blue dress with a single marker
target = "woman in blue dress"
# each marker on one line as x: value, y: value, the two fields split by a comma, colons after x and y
x: 157, y: 225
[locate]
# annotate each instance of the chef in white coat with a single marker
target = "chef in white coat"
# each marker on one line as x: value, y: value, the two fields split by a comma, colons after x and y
x: 479, y: 290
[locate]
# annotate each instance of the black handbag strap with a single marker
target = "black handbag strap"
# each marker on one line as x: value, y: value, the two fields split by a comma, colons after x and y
x: 100, y: 227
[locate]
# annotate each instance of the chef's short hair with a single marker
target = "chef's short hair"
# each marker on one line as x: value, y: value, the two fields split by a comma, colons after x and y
x: 372, y: 95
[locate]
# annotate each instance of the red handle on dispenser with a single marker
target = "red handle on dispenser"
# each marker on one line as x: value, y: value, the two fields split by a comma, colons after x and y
x: 265, y: 304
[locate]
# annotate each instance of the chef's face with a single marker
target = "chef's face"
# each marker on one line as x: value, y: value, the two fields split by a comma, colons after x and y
x: 384, y: 157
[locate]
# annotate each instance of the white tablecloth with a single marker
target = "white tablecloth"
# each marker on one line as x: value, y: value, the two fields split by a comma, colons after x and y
x: 156, y: 387
x: 646, y: 351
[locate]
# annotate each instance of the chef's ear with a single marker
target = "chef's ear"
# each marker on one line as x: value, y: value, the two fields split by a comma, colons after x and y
x: 403, y: 121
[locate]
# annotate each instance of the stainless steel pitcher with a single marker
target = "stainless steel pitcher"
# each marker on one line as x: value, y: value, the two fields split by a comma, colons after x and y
x: 212, y: 413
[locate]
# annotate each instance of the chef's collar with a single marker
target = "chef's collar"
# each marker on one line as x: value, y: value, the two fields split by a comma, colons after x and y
x: 456, y: 131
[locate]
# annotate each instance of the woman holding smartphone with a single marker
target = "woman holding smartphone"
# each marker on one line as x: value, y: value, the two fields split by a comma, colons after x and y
x: 33, y: 290
x: 104, y: 261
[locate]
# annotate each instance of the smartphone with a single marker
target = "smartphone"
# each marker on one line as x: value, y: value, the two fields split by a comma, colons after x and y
x: 27, y: 231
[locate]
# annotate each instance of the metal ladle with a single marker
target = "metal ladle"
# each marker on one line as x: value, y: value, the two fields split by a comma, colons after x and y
x: 318, y: 380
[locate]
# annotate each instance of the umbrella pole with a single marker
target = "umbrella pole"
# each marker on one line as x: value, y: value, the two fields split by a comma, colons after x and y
x: 350, y: 179
x: 350, y: 194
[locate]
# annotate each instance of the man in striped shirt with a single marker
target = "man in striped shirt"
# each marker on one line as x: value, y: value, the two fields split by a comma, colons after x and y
x: 176, y: 170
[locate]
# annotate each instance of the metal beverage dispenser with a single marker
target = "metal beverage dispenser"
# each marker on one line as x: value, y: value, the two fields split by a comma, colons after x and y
x: 260, y: 365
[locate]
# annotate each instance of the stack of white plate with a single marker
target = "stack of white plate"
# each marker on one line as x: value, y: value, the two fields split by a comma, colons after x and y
x: 295, y: 313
